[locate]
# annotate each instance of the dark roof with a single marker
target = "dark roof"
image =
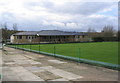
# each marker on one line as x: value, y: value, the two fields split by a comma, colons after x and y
x: 49, y: 32
x: 27, y: 33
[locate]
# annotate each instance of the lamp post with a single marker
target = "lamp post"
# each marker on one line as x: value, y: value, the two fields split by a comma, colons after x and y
x: 39, y: 42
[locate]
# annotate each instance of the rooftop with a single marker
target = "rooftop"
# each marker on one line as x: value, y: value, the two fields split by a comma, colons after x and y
x: 48, y: 32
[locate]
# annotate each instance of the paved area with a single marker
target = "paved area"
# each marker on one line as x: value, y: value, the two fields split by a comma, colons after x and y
x: 20, y: 65
x: 0, y: 64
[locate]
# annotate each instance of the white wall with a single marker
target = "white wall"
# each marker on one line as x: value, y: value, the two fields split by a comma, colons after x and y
x: 12, y: 39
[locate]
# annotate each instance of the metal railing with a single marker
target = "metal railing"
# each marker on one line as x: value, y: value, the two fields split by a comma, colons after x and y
x: 31, y: 48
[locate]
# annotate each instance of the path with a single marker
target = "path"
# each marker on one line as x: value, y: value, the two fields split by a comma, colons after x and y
x: 20, y: 65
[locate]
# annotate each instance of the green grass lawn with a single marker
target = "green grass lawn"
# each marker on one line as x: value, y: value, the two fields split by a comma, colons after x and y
x: 99, y: 51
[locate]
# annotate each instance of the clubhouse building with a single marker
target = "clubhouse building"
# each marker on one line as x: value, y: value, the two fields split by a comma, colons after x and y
x: 48, y: 36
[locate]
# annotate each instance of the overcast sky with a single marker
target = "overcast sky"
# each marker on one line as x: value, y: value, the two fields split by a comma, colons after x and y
x: 69, y: 15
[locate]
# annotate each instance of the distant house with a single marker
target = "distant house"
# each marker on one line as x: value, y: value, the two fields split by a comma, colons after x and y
x: 48, y: 36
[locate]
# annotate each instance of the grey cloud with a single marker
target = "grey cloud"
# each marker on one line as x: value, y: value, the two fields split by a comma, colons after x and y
x: 78, y: 12
x: 85, y: 8
x: 45, y: 4
x: 97, y: 24
x: 7, y: 17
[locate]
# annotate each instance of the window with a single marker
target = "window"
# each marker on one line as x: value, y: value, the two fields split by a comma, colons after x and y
x: 35, y: 37
x: 50, y: 37
x: 26, y: 37
x: 32, y: 37
x: 19, y: 37
x: 83, y: 36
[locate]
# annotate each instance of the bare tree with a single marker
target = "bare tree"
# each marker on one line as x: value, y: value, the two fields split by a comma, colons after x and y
x: 91, y: 30
x: 108, y: 31
x: 15, y: 28
x: 4, y: 31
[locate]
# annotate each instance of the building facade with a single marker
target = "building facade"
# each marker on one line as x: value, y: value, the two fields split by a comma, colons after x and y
x: 48, y: 36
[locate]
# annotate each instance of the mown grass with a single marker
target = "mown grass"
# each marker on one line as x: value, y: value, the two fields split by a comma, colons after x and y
x: 99, y: 51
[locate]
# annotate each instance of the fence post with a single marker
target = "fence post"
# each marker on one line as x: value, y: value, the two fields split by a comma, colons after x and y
x: 54, y: 50
x: 79, y: 55
x: 15, y: 46
x: 39, y: 47
x: 30, y: 46
x: 22, y: 46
